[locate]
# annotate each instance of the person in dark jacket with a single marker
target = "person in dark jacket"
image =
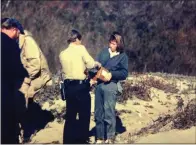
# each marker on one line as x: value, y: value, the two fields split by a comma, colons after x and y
x: 116, y: 62
x: 12, y: 76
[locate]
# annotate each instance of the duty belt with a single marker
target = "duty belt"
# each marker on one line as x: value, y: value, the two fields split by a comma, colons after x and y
x: 75, y: 82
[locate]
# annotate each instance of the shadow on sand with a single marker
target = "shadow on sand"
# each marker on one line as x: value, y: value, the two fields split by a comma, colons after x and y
x: 34, y: 120
x: 119, y: 128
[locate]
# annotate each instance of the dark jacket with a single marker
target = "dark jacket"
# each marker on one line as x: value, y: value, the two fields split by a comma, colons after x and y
x: 12, y: 75
x: 117, y: 65
x: 12, y: 70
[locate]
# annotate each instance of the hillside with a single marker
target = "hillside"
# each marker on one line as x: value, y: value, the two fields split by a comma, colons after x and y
x: 167, y: 114
x: 160, y: 36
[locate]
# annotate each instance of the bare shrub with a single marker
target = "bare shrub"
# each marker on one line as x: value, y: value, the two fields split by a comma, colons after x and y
x: 139, y: 90
x: 187, y: 118
x: 179, y: 120
x: 120, y: 112
x: 159, y: 84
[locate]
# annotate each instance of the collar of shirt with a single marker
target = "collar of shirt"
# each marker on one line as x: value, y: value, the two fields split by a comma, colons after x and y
x: 72, y: 45
x: 112, y: 54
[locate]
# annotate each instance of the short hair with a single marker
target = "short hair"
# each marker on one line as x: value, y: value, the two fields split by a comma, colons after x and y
x: 116, y: 36
x: 8, y: 23
x: 3, y: 20
x: 73, y: 35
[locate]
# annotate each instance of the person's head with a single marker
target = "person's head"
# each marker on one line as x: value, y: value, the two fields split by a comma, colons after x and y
x: 11, y: 27
x: 74, y: 37
x: 116, y: 42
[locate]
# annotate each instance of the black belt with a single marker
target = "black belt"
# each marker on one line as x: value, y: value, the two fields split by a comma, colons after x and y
x: 75, y: 82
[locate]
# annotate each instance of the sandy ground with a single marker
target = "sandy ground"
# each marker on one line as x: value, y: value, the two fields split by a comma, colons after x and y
x: 136, y: 114
x: 172, y: 136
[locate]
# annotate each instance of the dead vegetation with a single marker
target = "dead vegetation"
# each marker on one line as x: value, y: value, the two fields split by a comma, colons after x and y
x: 183, y: 119
x: 141, y: 88
x: 51, y: 95
x: 191, y: 89
x: 47, y: 94
x: 118, y: 113
x: 187, y: 117
x: 161, y: 85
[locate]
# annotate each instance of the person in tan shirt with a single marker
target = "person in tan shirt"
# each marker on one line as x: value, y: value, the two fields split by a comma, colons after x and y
x: 36, y: 65
x: 39, y: 75
x: 74, y: 61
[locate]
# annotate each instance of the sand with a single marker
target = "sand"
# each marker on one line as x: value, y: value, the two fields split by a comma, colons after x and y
x: 136, y: 114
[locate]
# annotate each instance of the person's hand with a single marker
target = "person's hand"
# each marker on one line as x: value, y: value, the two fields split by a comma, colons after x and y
x: 92, y: 82
x: 60, y: 82
x: 108, y: 77
x: 97, y: 64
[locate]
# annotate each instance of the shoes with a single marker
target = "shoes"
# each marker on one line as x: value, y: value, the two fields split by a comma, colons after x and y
x: 99, y: 141
x: 109, y: 141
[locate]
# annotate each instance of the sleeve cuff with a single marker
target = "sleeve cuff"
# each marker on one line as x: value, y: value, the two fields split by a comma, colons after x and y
x: 27, y: 80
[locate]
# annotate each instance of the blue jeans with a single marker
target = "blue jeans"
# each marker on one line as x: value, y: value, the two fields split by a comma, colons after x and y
x: 105, y: 102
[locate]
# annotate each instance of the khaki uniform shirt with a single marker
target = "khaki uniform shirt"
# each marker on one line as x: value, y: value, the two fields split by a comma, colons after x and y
x: 74, y: 61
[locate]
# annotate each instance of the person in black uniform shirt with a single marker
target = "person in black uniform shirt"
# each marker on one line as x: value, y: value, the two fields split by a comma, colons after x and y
x: 12, y: 76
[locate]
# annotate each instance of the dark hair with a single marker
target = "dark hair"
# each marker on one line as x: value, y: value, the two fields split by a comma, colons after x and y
x: 3, y: 20
x: 8, y: 23
x: 73, y: 35
x: 116, y: 36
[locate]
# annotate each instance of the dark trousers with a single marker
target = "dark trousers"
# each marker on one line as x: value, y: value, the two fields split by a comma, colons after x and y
x: 9, y: 129
x: 77, y: 101
x: 105, y: 118
x: 12, y: 111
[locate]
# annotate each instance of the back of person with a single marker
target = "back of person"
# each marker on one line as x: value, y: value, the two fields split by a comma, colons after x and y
x: 36, y: 65
x: 45, y: 71
x: 12, y: 72
x: 74, y: 61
